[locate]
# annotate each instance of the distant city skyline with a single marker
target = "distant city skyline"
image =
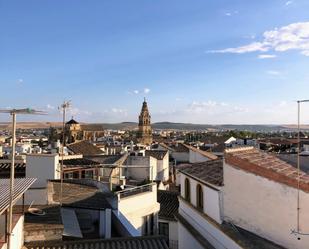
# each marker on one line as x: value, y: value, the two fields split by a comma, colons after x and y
x: 204, y: 62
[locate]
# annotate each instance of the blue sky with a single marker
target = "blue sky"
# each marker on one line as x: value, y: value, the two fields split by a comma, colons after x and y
x: 195, y: 61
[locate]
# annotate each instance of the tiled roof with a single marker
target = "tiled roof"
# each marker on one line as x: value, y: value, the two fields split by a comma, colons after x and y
x: 78, y: 162
x: 266, y: 165
x: 143, y: 242
x: 77, y: 195
x: 106, y: 159
x: 179, y: 148
x: 5, y: 168
x: 210, y: 172
x: 165, y: 146
x: 158, y: 154
x: 72, y: 121
x: 85, y: 148
x: 168, y: 204
x: 8, y: 166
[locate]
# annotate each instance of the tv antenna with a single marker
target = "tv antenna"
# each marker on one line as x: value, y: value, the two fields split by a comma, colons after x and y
x: 297, y: 231
x: 14, y: 113
x: 64, y: 106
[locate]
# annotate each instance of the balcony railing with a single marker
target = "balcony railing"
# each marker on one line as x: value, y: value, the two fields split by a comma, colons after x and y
x: 135, y: 190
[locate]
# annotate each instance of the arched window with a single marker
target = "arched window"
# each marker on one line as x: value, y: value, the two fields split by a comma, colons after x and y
x: 199, y: 197
x: 187, y: 189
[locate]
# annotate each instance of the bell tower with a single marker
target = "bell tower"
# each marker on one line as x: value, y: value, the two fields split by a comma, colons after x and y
x: 144, y: 135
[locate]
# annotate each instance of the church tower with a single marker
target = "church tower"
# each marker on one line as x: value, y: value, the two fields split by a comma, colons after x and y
x: 144, y: 135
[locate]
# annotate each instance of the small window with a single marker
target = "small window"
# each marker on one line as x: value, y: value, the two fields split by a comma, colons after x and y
x: 199, y: 197
x: 187, y: 189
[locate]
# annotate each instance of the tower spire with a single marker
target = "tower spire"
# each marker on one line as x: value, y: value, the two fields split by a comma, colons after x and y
x: 144, y: 125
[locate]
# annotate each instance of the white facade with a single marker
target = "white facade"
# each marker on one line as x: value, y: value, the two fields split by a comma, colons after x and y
x: 43, y: 167
x: 265, y: 207
x: 211, y: 197
x: 138, y: 206
x: 180, y: 157
x: 17, y: 239
x: 141, y: 168
x: 197, y: 157
x: 204, y: 221
x: 163, y: 168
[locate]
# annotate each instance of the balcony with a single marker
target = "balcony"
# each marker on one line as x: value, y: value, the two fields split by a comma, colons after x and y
x: 135, y: 190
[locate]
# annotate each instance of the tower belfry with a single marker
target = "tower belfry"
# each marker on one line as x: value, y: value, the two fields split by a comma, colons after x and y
x: 144, y: 135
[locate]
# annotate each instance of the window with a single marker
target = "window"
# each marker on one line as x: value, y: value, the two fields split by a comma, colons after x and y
x: 199, y: 197
x: 163, y: 229
x: 187, y: 189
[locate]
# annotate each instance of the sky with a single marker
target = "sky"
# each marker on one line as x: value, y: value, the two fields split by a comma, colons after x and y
x: 201, y: 61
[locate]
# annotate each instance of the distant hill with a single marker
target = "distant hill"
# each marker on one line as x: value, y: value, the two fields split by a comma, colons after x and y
x: 163, y: 126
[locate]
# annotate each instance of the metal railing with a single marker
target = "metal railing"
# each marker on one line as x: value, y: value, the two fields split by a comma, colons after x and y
x: 135, y: 190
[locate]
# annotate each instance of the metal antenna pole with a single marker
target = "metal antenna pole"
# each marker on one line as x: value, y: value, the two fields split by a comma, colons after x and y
x: 66, y: 104
x: 298, y: 162
x: 14, y: 112
x: 12, y: 180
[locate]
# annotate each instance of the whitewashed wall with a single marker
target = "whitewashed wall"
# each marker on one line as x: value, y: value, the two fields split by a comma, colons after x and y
x: 196, y: 157
x: 211, y: 198
x: 135, y: 207
x: 43, y: 167
x: 186, y: 239
x: 17, y: 239
x: 181, y: 157
x: 208, y: 229
x: 265, y: 207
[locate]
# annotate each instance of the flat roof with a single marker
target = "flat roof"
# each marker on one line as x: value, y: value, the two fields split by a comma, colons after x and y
x: 78, y: 195
x: 20, y: 187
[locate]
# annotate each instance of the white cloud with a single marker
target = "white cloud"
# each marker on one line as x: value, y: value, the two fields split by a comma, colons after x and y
x: 136, y: 91
x: 288, y: 3
x: 266, y: 56
x: 305, y: 52
x: 294, y: 36
x: 273, y: 72
x: 119, y: 111
x: 231, y: 13
x: 146, y: 90
x: 252, y: 47
x: 20, y: 81
x: 50, y: 107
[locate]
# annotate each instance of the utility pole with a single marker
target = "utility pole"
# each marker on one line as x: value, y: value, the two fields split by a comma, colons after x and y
x: 63, y: 107
x: 298, y: 162
x: 13, y: 113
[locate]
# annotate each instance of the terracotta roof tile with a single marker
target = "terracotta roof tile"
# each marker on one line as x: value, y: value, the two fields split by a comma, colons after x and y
x: 266, y: 165
x: 158, y: 154
x: 168, y: 204
x: 208, y: 172
x: 85, y: 148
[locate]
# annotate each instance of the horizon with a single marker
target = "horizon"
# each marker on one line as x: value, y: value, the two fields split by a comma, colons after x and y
x: 227, y: 62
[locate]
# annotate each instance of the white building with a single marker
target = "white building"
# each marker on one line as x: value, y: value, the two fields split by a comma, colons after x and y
x: 44, y: 167
x: 202, y: 207
x: 260, y: 195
